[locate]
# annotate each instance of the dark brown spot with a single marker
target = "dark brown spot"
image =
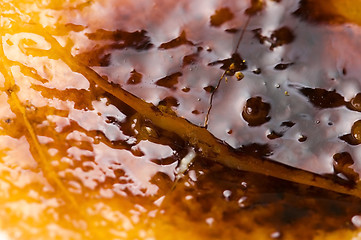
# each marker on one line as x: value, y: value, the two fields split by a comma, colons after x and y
x: 186, y: 89
x: 169, y: 102
x: 137, y: 40
x: 104, y: 61
x: 257, y: 71
x: 209, y: 89
x: 169, y: 81
x: 349, y: 139
x: 100, y: 55
x: 282, y: 66
x: 190, y: 59
x: 137, y: 152
x: 322, y: 98
x: 231, y: 30
x: 221, y: 16
x: 181, y: 40
x: 284, y: 127
x: 135, y: 77
x: 342, y: 163
x: 255, y: 112
x: 195, y: 112
x: 344, y: 71
x: 281, y: 36
x: 302, y: 138
x: 288, y: 124
x: 274, y: 135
